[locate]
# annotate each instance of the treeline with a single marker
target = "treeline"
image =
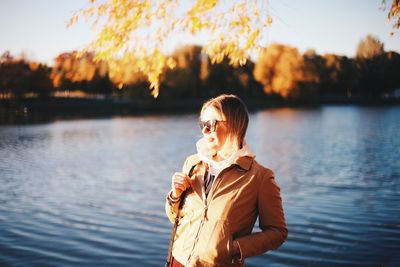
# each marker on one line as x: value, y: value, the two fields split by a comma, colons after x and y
x: 281, y: 72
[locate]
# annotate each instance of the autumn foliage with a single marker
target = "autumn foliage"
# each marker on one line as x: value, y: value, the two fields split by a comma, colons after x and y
x: 19, y: 76
x: 138, y: 32
x: 280, y: 72
x: 280, y: 69
x: 393, y: 13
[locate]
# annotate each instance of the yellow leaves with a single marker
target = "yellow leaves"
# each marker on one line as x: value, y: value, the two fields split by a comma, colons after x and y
x: 135, y: 32
x: 76, y: 68
x: 394, y: 10
x: 57, y: 79
x: 269, y: 21
x: 252, y: 38
x: 161, y: 10
x: 202, y: 6
x: 33, y: 66
x: 72, y: 21
x: 194, y: 25
x: 393, y: 14
x: 281, y: 69
x: 171, y: 63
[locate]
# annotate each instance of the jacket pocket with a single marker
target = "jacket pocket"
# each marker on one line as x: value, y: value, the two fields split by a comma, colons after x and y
x: 215, y: 243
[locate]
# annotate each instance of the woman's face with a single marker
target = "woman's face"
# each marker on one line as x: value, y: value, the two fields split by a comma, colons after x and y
x: 216, y: 139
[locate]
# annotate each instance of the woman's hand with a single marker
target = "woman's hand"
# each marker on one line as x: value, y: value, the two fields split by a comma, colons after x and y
x: 180, y: 183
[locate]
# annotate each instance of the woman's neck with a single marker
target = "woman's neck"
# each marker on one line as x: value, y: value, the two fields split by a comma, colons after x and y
x: 217, y: 157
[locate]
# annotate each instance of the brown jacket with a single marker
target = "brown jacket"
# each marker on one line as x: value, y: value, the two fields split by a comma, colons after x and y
x: 208, y: 226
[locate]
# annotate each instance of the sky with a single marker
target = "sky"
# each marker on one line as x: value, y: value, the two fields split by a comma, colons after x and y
x: 38, y: 27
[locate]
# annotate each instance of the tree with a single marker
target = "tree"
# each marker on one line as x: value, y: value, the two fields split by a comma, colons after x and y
x: 185, y: 78
x: 71, y: 71
x: 369, y: 47
x: 19, y: 76
x: 392, y: 70
x: 280, y: 69
x: 138, y: 31
x: 370, y: 66
x: 340, y: 76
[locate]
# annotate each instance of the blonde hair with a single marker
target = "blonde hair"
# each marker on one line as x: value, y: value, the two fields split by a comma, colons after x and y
x: 236, y: 115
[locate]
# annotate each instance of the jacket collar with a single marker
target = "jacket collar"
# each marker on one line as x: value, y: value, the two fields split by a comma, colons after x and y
x: 243, y: 162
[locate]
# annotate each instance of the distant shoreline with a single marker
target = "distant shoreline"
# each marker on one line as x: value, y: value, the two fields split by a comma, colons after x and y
x: 47, y: 109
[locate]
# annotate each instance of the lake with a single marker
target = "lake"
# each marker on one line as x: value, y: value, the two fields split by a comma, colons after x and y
x: 90, y: 192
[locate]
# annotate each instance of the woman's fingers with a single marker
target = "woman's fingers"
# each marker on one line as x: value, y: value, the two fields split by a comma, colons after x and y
x: 190, y: 180
x: 180, y: 178
x: 180, y: 182
x: 181, y: 186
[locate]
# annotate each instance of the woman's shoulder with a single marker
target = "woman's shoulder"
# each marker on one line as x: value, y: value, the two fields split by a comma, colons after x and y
x: 265, y: 177
x: 262, y: 171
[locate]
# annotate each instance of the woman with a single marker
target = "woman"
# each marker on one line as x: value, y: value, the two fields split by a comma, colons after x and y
x: 225, y: 190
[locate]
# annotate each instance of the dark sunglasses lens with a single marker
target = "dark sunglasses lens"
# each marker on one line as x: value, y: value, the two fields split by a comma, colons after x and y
x: 209, y: 125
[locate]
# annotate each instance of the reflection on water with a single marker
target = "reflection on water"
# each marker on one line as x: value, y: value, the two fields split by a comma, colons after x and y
x: 91, y: 192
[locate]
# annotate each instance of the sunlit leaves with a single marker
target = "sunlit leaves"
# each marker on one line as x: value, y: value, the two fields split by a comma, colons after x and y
x: 20, y: 77
x: 394, y: 13
x: 280, y: 69
x: 137, y: 32
x: 369, y: 47
x: 68, y: 66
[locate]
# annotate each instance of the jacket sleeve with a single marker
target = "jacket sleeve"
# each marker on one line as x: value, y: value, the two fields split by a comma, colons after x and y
x: 271, y: 221
x: 171, y: 208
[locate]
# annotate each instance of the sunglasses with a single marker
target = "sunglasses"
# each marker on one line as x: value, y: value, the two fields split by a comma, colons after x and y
x: 210, y: 125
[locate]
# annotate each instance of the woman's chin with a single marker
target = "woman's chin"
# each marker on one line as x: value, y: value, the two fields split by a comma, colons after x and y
x: 212, y: 146
x: 211, y: 150
x: 209, y: 141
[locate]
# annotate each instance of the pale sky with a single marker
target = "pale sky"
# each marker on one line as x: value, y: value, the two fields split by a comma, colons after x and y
x: 38, y: 27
